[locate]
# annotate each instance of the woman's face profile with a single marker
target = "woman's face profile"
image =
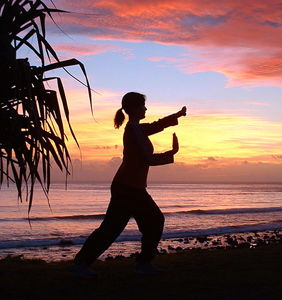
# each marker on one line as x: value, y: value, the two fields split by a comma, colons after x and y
x: 141, y: 109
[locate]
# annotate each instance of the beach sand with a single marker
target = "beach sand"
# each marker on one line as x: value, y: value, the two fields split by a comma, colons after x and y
x: 242, y: 272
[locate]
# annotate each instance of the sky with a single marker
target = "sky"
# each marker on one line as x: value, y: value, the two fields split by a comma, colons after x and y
x: 221, y: 59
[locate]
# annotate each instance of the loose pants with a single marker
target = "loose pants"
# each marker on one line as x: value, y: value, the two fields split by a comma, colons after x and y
x: 126, y: 202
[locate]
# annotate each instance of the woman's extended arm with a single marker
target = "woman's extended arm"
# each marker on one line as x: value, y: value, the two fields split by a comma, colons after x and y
x: 161, y: 124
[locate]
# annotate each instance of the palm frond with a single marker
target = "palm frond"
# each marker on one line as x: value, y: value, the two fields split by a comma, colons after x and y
x: 32, y: 132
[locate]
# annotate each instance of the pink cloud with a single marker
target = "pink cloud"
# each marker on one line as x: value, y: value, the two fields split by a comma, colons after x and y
x: 239, y: 39
x: 85, y: 49
x: 252, y: 103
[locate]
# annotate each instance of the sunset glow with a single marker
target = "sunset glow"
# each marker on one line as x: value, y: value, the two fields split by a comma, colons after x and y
x: 222, y: 59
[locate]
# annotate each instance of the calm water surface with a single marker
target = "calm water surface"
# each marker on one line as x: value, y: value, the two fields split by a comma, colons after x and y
x: 189, y: 209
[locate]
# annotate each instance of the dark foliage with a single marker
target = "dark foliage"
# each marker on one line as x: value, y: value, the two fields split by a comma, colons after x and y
x: 32, y: 134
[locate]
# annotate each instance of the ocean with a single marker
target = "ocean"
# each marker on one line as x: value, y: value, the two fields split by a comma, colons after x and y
x: 191, y: 210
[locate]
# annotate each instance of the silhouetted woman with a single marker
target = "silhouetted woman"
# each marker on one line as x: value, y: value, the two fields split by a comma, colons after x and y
x: 129, y: 197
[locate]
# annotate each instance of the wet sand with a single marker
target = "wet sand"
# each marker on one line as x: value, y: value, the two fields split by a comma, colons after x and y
x: 241, y: 266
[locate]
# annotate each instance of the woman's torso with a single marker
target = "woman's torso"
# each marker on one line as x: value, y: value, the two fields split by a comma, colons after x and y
x: 134, y: 168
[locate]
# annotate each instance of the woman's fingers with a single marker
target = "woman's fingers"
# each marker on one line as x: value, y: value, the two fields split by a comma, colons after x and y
x: 182, y: 112
x: 175, y: 144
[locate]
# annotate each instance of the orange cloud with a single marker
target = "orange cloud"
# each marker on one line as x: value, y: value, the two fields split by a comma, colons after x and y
x: 212, y: 146
x: 241, y: 66
x: 239, y: 39
x: 218, y: 22
x: 225, y: 137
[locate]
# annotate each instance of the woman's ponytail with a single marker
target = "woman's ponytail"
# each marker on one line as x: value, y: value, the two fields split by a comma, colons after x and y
x: 129, y: 103
x: 119, y: 118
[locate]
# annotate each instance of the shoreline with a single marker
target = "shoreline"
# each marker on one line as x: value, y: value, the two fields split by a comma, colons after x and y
x: 219, y: 274
x: 66, y: 250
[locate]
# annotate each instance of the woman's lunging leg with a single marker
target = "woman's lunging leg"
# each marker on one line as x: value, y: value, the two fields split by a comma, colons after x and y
x: 116, y: 218
x: 150, y: 221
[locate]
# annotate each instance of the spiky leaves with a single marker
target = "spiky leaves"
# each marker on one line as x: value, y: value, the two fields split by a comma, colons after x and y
x: 32, y: 134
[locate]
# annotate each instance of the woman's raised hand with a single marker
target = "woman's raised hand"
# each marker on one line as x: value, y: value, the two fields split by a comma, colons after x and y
x: 182, y: 112
x: 175, y: 144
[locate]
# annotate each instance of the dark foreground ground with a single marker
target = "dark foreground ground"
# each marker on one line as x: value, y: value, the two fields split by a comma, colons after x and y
x: 195, y: 274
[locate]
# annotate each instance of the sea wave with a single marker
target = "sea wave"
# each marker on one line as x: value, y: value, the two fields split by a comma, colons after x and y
x: 54, y: 218
x: 275, y: 225
x: 230, y: 211
x: 134, y: 236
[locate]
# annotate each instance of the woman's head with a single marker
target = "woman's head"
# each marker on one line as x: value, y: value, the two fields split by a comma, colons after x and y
x: 130, y: 102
